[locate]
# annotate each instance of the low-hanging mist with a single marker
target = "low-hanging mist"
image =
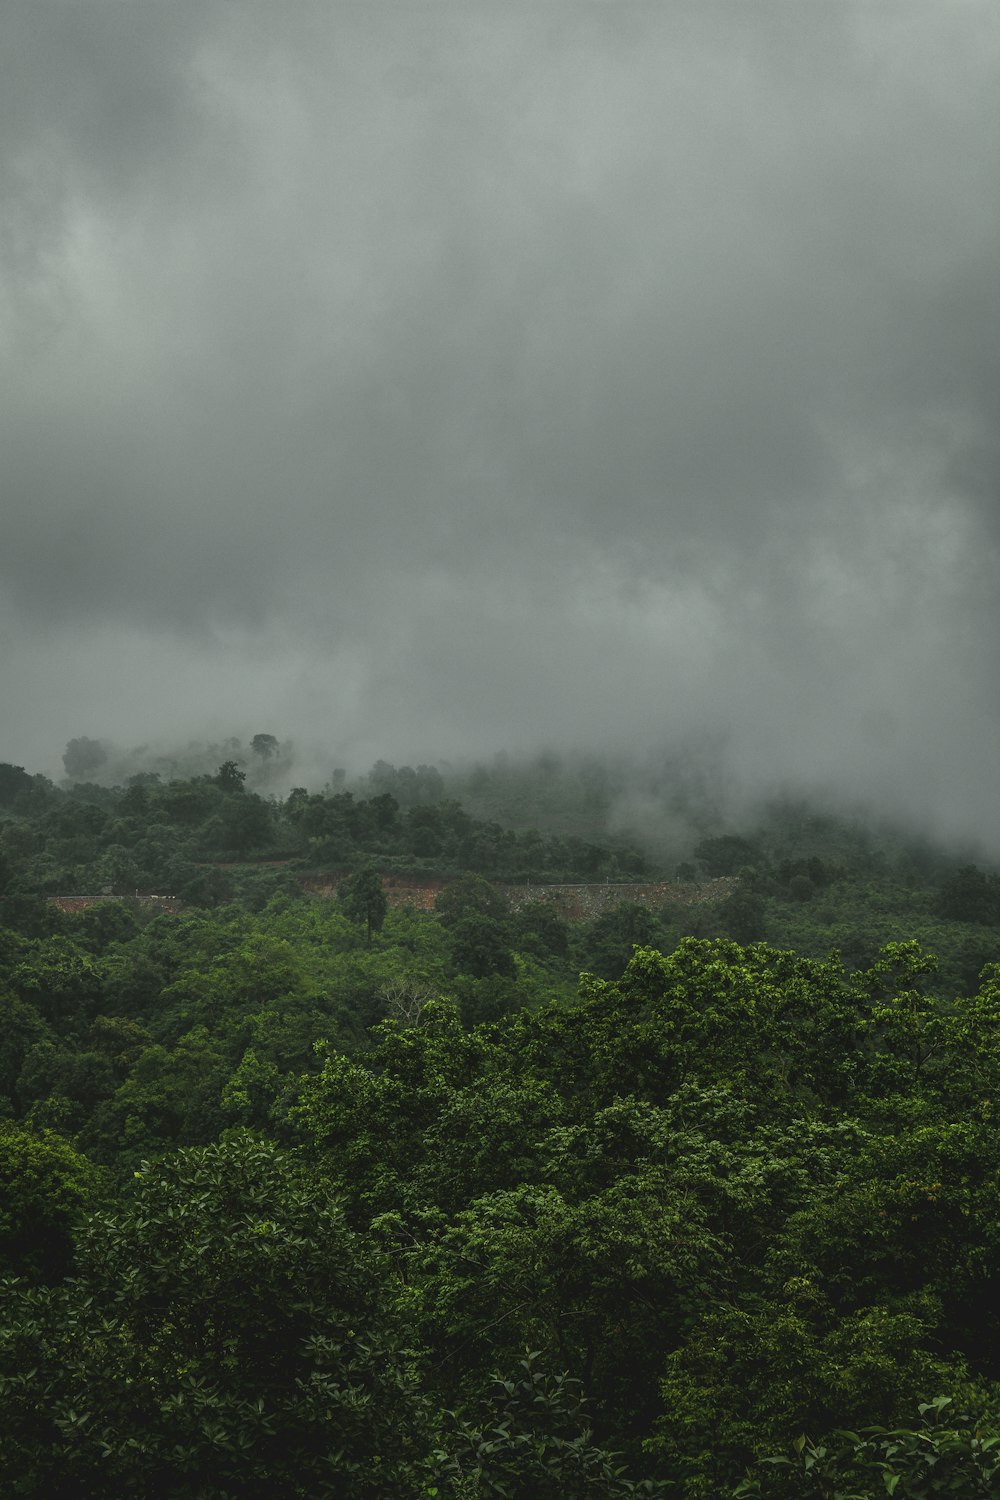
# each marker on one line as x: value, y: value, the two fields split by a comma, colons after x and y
x: 426, y: 381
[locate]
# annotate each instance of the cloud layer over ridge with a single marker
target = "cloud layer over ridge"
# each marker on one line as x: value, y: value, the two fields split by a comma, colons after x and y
x: 431, y: 379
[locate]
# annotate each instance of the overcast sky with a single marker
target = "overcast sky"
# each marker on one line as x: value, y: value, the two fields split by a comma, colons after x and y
x: 425, y: 378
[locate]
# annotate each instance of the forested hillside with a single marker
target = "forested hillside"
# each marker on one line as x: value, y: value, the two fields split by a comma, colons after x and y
x: 307, y: 1190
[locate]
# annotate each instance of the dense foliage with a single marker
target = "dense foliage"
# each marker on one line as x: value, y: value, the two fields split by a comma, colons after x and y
x: 303, y: 1196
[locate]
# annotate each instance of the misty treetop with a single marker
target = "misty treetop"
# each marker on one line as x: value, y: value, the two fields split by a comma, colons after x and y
x: 798, y: 876
x: 692, y: 407
x: 176, y: 836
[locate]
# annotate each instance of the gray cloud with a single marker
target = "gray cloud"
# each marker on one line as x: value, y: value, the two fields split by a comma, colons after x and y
x: 430, y: 379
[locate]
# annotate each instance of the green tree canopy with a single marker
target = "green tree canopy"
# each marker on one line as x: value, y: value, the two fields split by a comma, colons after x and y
x: 363, y: 899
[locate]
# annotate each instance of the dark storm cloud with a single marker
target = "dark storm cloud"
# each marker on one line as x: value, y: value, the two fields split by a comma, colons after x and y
x: 436, y: 378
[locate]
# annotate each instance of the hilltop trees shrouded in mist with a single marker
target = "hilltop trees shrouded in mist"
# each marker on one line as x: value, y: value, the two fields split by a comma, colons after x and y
x: 264, y: 745
x: 265, y: 761
x: 83, y: 757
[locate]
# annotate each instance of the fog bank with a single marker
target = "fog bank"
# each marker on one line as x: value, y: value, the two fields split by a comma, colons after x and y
x: 423, y: 381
